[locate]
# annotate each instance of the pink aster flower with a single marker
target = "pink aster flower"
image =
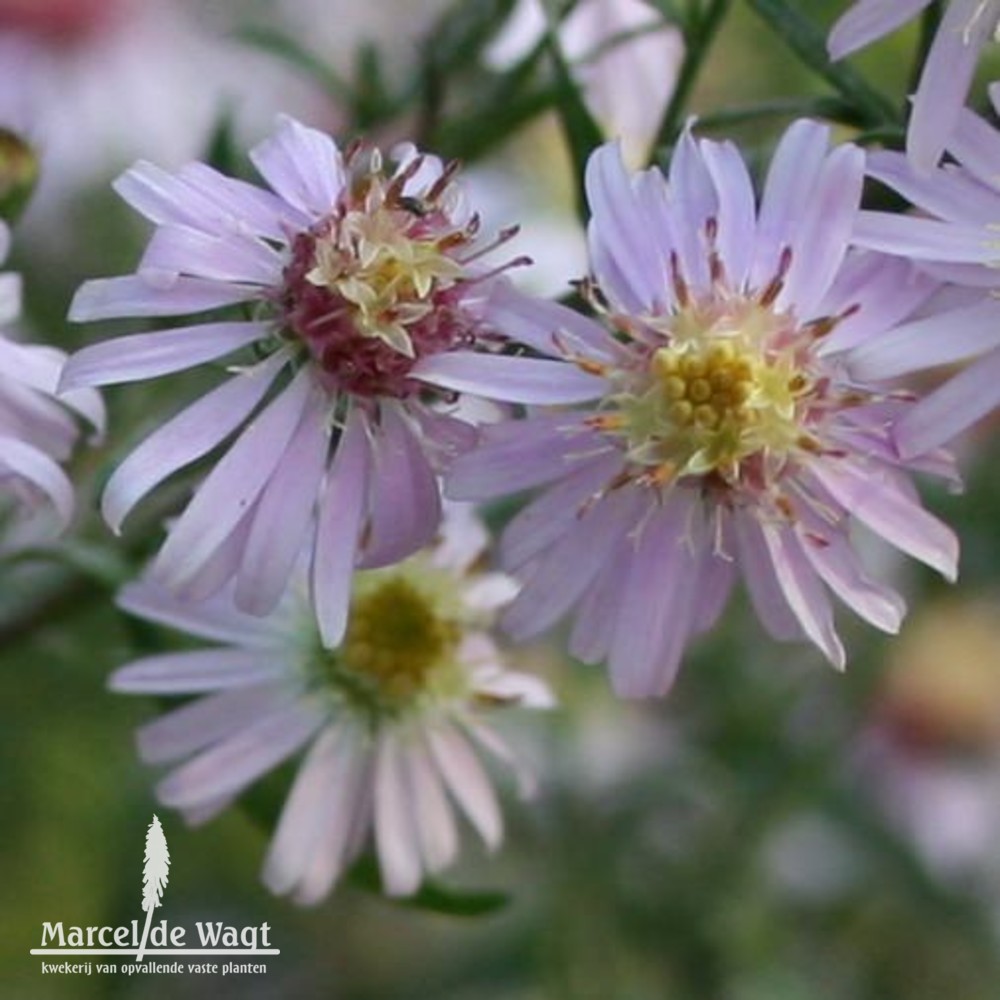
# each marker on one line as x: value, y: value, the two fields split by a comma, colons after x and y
x: 955, y: 239
x: 364, y: 293
x: 392, y: 720
x: 967, y: 25
x: 730, y: 437
x: 38, y: 430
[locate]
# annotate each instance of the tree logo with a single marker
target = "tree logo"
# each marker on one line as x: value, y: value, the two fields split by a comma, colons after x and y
x: 155, y: 872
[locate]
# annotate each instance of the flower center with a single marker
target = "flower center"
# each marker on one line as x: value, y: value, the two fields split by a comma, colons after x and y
x: 727, y: 387
x: 378, y: 283
x: 397, y: 642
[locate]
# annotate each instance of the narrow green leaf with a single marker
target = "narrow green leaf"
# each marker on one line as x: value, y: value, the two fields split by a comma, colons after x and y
x: 807, y: 40
x: 583, y: 135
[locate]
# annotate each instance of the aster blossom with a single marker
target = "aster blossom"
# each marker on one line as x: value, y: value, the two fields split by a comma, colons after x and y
x: 965, y: 28
x: 38, y: 428
x: 729, y: 436
x: 357, y: 273
x: 954, y: 239
x: 392, y: 720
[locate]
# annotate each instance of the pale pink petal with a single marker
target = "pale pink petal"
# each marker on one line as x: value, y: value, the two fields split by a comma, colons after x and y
x: 656, y: 604
x: 198, y: 724
x: 339, y: 521
x: 945, y: 338
x: 194, y: 432
x: 466, y: 782
x: 766, y: 595
x: 405, y: 503
x: 874, y: 497
x: 181, y: 250
x: 540, y: 523
x: 618, y: 224
x: 791, y: 181
x: 313, y: 809
x: 215, y: 619
x: 436, y: 830
x: 303, y: 166
x: 868, y: 20
x: 737, y: 213
x: 396, y: 831
x: 563, y: 573
x: 516, y: 455
x: 240, y: 759
x: 283, y: 514
x: 840, y: 568
x: 924, y: 239
x: 149, y: 355
x: 952, y: 409
x: 803, y: 591
x: 197, y: 672
x: 946, y: 77
x: 509, y: 379
x: 825, y: 230
x: 40, y: 471
x: 548, y: 327
x: 149, y: 295
x: 234, y: 484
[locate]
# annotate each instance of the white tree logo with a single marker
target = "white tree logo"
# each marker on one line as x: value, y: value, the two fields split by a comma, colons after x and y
x: 155, y: 871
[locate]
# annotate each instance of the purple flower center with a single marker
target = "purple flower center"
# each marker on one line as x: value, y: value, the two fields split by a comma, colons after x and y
x: 377, y: 285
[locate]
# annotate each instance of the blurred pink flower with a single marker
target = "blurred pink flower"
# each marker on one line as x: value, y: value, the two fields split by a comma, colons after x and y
x: 392, y: 718
x: 623, y: 55
x: 38, y: 428
x: 93, y: 84
x: 731, y: 436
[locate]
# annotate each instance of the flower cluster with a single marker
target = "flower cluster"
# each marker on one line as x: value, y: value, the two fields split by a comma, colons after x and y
x: 728, y: 399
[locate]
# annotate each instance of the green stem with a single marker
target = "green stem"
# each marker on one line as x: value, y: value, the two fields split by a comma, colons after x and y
x: 873, y: 109
x: 701, y: 31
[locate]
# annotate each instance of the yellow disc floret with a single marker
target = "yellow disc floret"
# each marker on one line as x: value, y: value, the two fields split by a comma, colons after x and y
x: 402, y: 639
x: 384, y: 271
x: 713, y: 398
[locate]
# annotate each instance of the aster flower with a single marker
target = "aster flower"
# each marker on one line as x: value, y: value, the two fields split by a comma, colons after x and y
x: 392, y: 718
x: 967, y: 25
x: 37, y: 429
x: 955, y: 240
x: 729, y: 436
x: 357, y: 275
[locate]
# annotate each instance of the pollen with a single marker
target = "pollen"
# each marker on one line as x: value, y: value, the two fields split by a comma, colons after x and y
x: 378, y: 283
x: 397, y: 640
x: 717, y: 394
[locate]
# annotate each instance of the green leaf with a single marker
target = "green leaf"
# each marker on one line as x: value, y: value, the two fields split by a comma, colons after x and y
x: 457, y: 38
x: 223, y: 151
x: 583, y: 135
x: 431, y: 897
x: 804, y: 37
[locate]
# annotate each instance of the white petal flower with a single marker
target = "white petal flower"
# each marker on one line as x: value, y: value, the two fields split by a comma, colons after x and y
x: 392, y: 720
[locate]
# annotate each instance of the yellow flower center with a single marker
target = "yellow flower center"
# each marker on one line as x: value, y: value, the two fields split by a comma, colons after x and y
x: 386, y: 274
x: 718, y: 394
x: 399, y: 640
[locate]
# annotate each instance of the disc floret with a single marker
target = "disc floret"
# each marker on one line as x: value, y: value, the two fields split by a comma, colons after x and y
x: 401, y: 647
x: 376, y: 284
